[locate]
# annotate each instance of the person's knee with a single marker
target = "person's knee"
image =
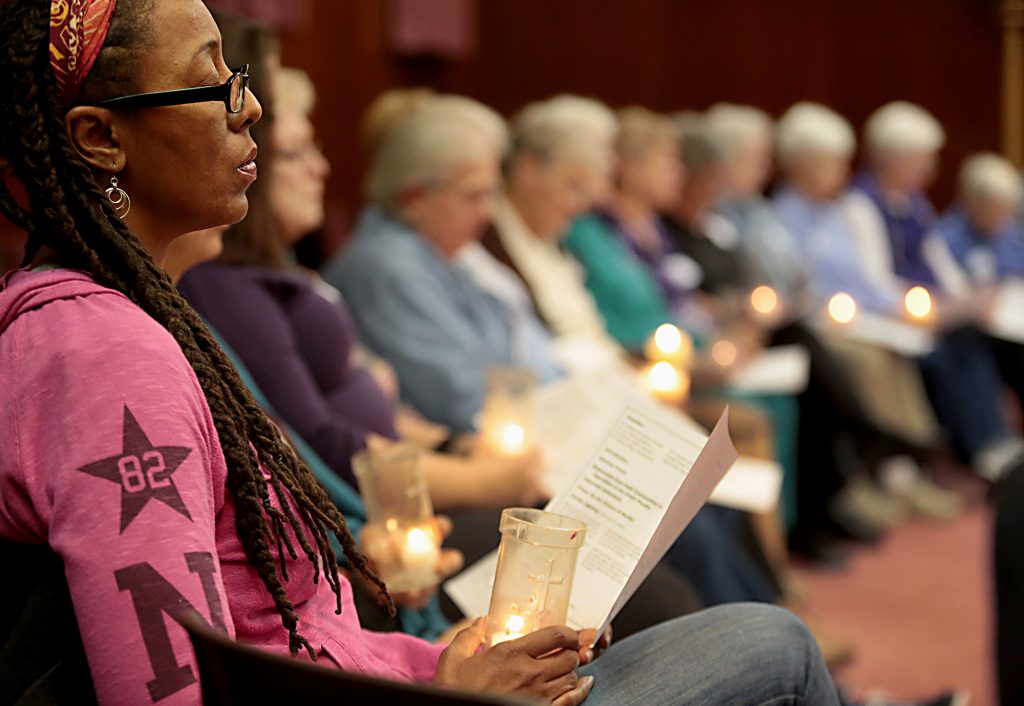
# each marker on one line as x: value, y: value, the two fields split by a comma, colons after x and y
x: 768, y: 622
x: 773, y: 635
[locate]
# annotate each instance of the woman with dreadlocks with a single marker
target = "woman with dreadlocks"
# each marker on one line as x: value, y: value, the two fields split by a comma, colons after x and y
x: 131, y: 451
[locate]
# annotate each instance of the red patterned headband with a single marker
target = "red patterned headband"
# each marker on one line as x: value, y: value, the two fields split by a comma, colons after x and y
x: 78, y: 29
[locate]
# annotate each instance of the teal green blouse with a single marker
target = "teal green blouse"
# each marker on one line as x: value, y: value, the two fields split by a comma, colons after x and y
x: 626, y: 294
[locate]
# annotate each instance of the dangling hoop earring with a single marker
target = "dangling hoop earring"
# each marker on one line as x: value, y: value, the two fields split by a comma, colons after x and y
x: 118, y: 199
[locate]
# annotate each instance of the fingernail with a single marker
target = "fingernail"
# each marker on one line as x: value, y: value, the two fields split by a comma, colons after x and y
x: 590, y: 656
x: 588, y: 682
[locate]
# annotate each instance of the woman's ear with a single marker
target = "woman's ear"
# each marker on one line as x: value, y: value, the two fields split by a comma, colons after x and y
x: 92, y: 132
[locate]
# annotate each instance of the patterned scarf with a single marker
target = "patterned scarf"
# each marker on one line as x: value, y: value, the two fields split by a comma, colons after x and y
x: 78, y: 29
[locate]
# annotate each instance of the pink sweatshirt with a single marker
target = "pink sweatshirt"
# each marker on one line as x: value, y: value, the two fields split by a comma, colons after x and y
x: 108, y: 453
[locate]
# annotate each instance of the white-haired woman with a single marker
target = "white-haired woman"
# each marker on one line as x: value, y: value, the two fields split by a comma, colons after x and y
x: 983, y: 234
x: 558, y: 166
x: 433, y: 184
x: 815, y: 147
x: 982, y: 231
x: 746, y: 136
x: 902, y: 142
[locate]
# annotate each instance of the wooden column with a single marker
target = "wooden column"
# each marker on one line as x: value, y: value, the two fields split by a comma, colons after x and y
x: 1013, y: 80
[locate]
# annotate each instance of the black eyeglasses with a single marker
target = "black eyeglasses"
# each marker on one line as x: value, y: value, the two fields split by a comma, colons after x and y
x: 231, y: 93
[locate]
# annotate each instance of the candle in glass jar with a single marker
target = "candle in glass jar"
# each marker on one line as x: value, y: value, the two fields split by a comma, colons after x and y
x: 399, y: 535
x: 533, y: 578
x: 419, y: 554
x: 507, y: 415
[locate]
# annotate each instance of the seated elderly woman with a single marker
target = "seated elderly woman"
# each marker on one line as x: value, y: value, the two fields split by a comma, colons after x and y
x: 983, y: 230
x: 745, y: 135
x: 294, y: 334
x: 558, y: 164
x: 902, y: 143
x: 631, y: 270
x: 815, y: 146
x: 432, y: 183
x: 983, y: 234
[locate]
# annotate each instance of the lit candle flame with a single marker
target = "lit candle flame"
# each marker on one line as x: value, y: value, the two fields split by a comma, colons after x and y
x: 724, y: 353
x: 842, y: 308
x: 514, y: 628
x: 670, y: 344
x: 512, y: 437
x: 668, y: 338
x: 918, y: 302
x: 663, y: 377
x: 515, y: 624
x: 419, y: 541
x: 764, y: 300
x: 667, y: 382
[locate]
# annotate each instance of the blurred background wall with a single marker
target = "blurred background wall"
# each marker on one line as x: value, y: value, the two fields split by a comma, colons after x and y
x: 853, y: 55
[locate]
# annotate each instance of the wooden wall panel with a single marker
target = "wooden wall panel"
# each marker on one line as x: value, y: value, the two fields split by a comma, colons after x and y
x: 670, y: 55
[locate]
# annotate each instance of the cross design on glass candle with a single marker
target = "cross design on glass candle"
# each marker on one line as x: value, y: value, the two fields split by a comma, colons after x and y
x: 547, y: 581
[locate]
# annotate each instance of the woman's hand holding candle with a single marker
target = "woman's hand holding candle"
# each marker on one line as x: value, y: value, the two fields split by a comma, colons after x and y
x: 541, y: 665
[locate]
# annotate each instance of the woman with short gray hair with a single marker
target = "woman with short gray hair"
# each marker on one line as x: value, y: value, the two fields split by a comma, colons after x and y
x: 433, y: 183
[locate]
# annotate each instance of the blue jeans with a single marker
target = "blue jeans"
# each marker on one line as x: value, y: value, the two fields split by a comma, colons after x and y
x: 742, y: 654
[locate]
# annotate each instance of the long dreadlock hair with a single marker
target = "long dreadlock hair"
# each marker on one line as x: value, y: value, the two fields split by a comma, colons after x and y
x: 68, y: 213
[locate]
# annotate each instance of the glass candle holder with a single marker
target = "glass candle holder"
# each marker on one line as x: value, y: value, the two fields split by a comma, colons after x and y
x: 400, y: 534
x: 506, y: 424
x: 536, y: 565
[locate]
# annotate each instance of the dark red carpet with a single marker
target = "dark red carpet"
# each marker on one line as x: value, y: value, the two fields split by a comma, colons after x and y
x: 917, y: 608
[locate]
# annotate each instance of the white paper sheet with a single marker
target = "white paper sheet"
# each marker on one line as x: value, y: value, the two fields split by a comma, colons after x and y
x: 574, y: 415
x: 580, y: 355
x: 1007, y: 318
x: 637, y: 492
x: 885, y: 332
x: 751, y: 485
x: 782, y: 370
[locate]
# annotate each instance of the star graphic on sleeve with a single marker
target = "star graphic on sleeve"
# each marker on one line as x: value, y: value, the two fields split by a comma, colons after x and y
x: 143, y: 471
